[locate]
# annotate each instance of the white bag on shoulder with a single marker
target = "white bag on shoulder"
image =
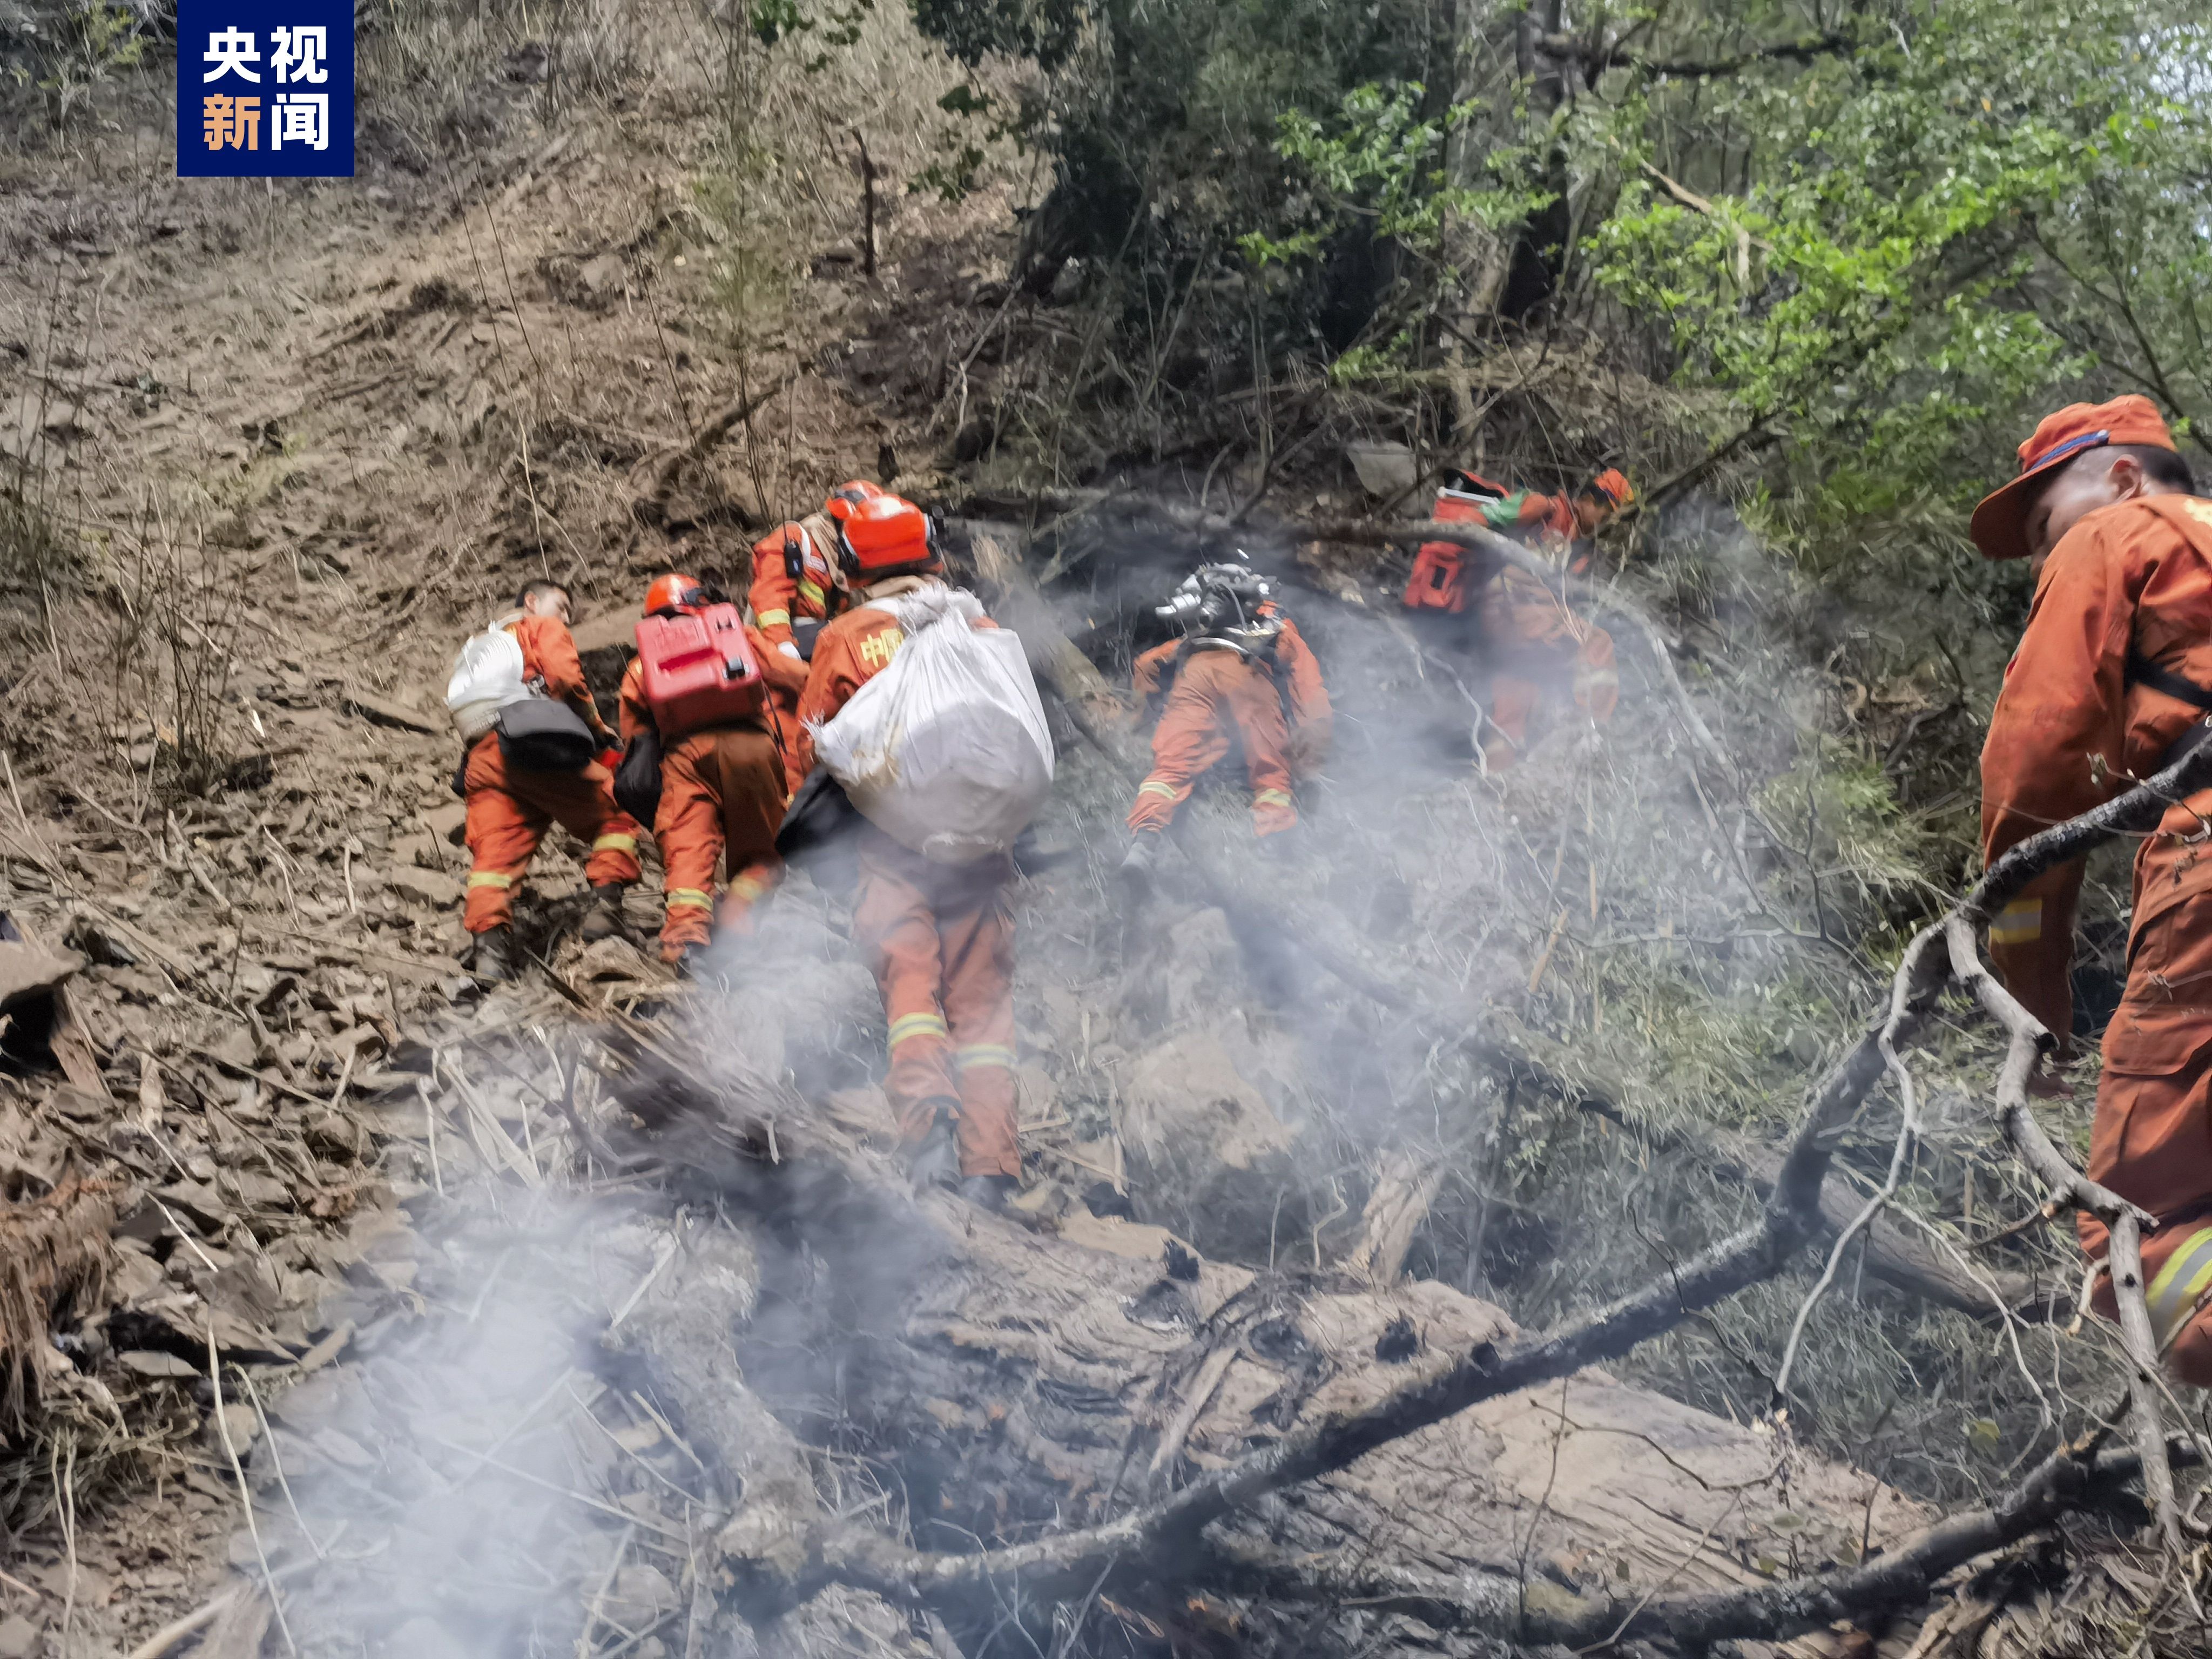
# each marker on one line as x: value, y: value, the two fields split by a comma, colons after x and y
x: 945, y: 750
x: 487, y: 677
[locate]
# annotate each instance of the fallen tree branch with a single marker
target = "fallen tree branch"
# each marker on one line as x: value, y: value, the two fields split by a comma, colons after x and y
x: 652, y: 506
x: 2073, y: 1479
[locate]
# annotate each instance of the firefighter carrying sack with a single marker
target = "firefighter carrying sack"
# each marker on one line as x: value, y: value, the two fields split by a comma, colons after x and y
x: 699, y: 670
x: 486, y: 677
x: 540, y: 735
x: 946, y: 749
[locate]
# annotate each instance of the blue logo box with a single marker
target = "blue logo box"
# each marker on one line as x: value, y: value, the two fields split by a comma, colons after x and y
x: 264, y: 88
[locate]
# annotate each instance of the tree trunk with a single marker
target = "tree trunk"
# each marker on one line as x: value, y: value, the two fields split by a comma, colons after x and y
x: 1016, y: 1381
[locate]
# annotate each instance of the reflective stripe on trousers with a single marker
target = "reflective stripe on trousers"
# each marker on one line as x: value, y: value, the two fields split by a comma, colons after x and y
x: 2186, y: 1276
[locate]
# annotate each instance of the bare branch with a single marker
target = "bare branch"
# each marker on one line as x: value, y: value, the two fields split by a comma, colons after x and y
x: 1598, y: 55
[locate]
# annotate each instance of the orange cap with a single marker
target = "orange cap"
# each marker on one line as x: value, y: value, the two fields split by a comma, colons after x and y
x: 1614, y: 485
x: 2000, y: 523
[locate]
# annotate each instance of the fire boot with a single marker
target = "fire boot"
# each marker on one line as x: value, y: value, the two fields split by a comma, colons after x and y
x: 1138, y: 864
x: 604, y: 919
x: 493, y: 959
x: 990, y: 1192
x: 936, y: 1160
x: 691, y: 961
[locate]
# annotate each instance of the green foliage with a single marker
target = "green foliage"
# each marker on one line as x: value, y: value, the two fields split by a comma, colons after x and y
x: 836, y: 26
x: 93, y: 42
x: 1379, y: 165
x: 1925, y: 239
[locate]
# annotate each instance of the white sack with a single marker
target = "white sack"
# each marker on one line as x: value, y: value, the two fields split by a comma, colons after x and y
x: 486, y: 677
x: 946, y: 749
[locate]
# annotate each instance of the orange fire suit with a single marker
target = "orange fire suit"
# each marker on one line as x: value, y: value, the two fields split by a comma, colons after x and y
x: 938, y: 938
x: 508, y: 811
x: 1535, y: 642
x: 778, y: 598
x: 722, y: 791
x: 1216, y: 700
x: 2131, y: 580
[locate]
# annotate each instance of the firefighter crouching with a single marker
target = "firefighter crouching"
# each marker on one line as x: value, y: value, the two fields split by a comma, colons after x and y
x: 1536, y: 644
x: 696, y: 693
x: 2113, y: 682
x: 1241, y: 680
x: 795, y: 589
x: 511, y: 804
x: 938, y: 938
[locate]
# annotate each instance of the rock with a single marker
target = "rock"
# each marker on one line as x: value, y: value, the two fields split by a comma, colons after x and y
x: 147, y: 1361
x: 242, y: 1421
x: 380, y: 711
x: 27, y: 972
x: 429, y: 887
x: 424, y: 1639
x: 642, y: 1595
x: 20, y: 1638
x: 450, y: 821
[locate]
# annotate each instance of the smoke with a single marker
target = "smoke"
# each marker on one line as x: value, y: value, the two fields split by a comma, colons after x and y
x: 473, y: 1481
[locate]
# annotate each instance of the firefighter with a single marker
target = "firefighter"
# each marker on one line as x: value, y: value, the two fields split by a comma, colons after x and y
x: 722, y: 794
x: 509, y: 809
x: 796, y: 587
x: 1535, y: 643
x: 2114, y: 670
x: 938, y: 938
x: 1242, y: 680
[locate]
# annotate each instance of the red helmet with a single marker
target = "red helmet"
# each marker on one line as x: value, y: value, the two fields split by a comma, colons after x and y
x: 886, y: 535
x: 673, y: 593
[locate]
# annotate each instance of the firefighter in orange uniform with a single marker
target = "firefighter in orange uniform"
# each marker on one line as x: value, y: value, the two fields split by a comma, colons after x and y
x: 2113, y: 671
x: 722, y: 793
x: 1240, y: 680
x: 795, y: 591
x: 509, y: 809
x: 939, y: 938
x: 1535, y: 642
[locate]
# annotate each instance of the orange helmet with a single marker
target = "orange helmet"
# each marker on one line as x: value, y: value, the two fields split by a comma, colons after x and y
x: 673, y: 593
x: 845, y: 500
x: 886, y: 535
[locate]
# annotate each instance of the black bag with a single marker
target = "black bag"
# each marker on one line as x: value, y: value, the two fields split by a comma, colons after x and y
x: 638, y: 780
x: 540, y: 735
x: 804, y: 632
x: 819, y: 833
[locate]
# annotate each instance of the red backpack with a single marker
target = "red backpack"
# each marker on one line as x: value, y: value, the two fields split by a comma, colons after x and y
x: 699, y: 670
x: 1437, y: 582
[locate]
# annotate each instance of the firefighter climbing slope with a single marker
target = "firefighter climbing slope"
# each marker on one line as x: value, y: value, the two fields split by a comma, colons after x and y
x: 796, y: 588
x: 2112, y: 680
x: 1241, y: 683
x: 1536, y: 646
x: 938, y: 936
x: 519, y: 698
x: 694, y: 697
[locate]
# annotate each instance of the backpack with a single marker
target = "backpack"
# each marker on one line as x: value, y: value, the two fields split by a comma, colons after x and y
x: 637, y: 778
x: 946, y: 749
x: 538, y: 734
x: 1438, y: 581
x: 486, y: 677
x: 699, y: 670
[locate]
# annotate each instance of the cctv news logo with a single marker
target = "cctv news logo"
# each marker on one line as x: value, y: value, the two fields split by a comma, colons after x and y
x: 264, y: 88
